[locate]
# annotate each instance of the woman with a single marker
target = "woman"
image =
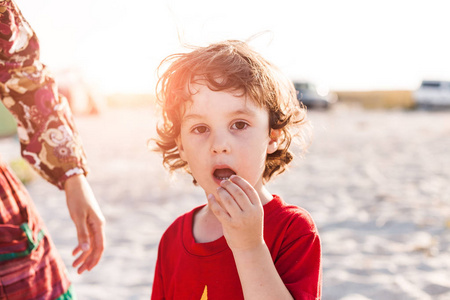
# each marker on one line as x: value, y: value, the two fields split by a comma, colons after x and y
x: 30, y: 268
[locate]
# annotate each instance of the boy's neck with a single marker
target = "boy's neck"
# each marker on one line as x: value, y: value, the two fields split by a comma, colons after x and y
x: 265, y: 195
x: 205, y: 226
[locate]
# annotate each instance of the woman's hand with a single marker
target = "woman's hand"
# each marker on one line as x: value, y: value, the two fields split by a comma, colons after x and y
x: 240, y: 212
x: 89, y: 222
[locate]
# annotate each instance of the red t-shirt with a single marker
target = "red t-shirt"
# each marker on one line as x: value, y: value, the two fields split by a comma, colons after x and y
x: 189, y: 270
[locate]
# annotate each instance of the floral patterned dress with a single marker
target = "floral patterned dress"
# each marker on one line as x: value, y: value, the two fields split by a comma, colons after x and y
x: 30, y: 268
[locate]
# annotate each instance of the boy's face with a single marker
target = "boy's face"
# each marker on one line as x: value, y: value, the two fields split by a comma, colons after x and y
x: 224, y: 134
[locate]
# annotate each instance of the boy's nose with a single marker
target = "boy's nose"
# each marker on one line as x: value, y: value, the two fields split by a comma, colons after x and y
x: 220, y: 144
x: 220, y: 150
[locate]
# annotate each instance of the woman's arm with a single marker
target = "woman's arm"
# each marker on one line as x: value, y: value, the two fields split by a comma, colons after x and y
x: 48, y: 137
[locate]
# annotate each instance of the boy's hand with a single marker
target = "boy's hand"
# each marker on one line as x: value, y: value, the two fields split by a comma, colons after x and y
x: 240, y: 211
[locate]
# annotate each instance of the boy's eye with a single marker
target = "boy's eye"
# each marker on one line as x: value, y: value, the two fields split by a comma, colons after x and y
x: 240, y: 125
x: 200, y: 129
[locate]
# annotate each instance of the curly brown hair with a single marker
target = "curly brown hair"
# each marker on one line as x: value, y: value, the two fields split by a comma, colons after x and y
x: 229, y: 66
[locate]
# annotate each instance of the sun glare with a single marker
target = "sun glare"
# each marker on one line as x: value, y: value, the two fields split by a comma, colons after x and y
x: 352, y: 45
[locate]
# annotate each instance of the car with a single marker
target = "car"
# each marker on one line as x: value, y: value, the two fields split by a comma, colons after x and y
x: 311, y: 97
x: 432, y: 94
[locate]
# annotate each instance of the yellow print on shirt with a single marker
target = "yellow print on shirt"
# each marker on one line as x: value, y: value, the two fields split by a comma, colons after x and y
x: 205, y: 293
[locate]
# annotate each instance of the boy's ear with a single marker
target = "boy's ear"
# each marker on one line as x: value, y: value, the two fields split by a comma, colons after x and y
x: 180, y: 148
x: 274, y: 140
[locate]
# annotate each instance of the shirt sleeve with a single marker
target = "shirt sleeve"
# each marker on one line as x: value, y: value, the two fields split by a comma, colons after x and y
x: 299, y: 260
x: 48, y: 137
x: 157, y: 286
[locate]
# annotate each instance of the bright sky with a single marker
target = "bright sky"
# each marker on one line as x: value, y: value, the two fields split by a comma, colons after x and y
x: 345, y: 45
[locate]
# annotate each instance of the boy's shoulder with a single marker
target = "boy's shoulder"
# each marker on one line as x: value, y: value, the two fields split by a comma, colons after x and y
x: 293, y: 215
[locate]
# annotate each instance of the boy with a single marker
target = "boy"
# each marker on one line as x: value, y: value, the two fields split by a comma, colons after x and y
x: 228, y: 120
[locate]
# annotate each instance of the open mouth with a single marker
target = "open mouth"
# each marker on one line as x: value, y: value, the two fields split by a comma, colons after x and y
x: 223, y: 174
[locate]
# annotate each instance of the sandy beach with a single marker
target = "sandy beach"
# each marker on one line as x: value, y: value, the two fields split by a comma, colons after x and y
x: 377, y: 183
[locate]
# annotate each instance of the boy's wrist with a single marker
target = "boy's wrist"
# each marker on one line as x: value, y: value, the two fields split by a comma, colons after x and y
x: 250, y: 252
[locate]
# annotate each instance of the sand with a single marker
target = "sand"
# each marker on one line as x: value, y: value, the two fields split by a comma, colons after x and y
x: 375, y: 181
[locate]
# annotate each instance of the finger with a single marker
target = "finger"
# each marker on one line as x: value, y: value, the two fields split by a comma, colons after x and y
x: 228, y: 202
x: 221, y: 214
x: 76, y: 250
x: 82, y: 268
x: 247, y: 188
x: 237, y: 193
x: 84, y: 261
x: 88, y: 263
x: 83, y: 234
x: 80, y: 262
x: 98, y: 242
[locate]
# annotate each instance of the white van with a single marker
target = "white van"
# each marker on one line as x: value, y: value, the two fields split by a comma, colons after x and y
x: 432, y: 93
